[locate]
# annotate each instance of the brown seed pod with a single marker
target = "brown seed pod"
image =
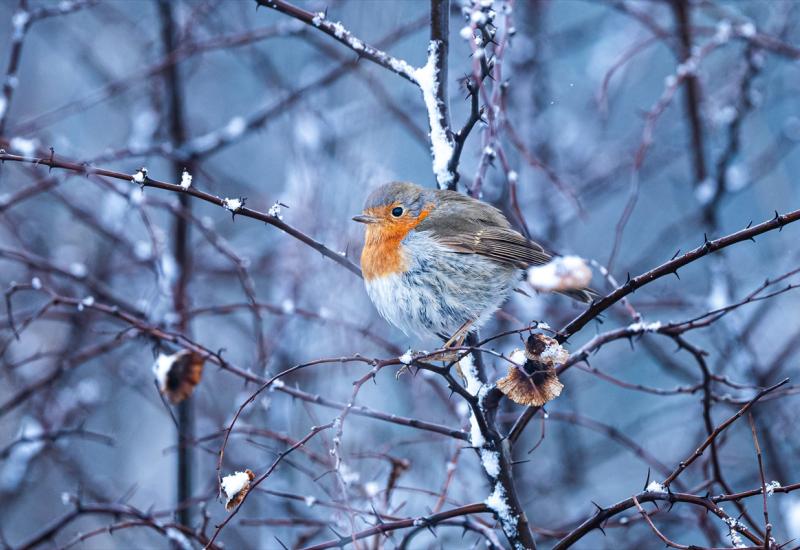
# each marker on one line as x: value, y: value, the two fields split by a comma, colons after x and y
x: 178, y: 374
x: 534, y: 383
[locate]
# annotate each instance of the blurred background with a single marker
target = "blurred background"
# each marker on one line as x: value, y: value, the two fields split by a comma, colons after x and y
x: 609, y: 155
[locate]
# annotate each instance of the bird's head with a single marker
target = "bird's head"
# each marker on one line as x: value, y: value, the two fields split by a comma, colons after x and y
x: 394, y: 209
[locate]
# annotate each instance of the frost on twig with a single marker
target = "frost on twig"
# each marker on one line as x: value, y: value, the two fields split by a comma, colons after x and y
x: 442, y: 143
x: 497, y: 502
x: 771, y: 486
x: 407, y: 357
x: 275, y: 210
x: 233, y: 205
x: 235, y: 486
x: 736, y: 538
x: 140, y: 176
x: 186, y: 179
x: 532, y: 380
x: 178, y: 374
x: 642, y: 327
x: 561, y: 273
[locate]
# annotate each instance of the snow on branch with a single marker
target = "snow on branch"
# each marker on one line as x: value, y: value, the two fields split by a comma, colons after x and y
x: 428, y: 78
x: 561, y: 273
x: 442, y: 142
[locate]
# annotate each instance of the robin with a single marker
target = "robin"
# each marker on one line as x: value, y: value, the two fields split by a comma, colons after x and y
x: 439, y: 262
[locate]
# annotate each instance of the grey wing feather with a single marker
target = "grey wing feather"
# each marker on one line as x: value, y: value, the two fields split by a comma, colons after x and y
x: 501, y: 244
x: 469, y: 226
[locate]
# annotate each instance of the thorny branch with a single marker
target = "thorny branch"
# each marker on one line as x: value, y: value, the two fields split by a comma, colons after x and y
x: 411, y: 494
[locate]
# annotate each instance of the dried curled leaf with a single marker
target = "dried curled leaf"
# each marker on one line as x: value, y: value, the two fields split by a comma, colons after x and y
x: 235, y: 487
x: 178, y: 374
x: 534, y: 381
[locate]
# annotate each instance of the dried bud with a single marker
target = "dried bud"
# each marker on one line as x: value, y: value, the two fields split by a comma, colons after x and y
x: 235, y: 487
x: 178, y: 374
x: 534, y: 383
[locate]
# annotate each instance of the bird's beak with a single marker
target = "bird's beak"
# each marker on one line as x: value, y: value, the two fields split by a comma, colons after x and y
x: 363, y: 218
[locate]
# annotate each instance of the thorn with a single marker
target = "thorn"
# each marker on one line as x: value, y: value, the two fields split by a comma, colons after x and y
x: 599, y: 508
x: 675, y: 255
x: 647, y: 481
x: 378, y: 519
x: 276, y: 538
x: 749, y: 225
x: 676, y: 274
x: 655, y: 503
x: 52, y: 154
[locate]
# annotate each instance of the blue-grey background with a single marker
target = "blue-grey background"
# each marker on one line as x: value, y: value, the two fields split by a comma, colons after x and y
x: 320, y: 157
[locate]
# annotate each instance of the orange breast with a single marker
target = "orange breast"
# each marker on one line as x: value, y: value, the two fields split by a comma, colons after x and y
x: 383, y: 253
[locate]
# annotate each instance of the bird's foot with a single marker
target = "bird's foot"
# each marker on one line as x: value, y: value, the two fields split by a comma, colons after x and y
x: 400, y: 371
x: 451, y: 349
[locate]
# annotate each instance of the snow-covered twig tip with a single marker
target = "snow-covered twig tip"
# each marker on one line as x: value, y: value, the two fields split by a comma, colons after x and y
x: 186, y: 179
x: 233, y: 205
x: 140, y: 177
x: 561, y: 273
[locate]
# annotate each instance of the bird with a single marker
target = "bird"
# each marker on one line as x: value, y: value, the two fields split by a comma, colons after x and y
x: 437, y: 262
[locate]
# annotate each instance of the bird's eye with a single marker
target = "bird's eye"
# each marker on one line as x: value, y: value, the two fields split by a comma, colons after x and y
x: 397, y: 211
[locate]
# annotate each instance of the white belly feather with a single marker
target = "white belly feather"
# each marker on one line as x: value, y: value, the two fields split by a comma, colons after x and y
x: 441, y: 290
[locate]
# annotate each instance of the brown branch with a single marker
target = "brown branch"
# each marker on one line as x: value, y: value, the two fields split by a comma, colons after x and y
x: 387, y: 527
x: 672, y: 266
x: 718, y: 430
x: 72, y: 166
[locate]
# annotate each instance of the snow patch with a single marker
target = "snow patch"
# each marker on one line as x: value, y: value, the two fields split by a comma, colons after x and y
x: 645, y: 327
x: 518, y: 357
x: 140, y: 176
x: 771, y: 486
x: 186, y: 179
x: 234, y: 205
x: 655, y: 487
x: 275, y: 211
x: 442, y: 145
x: 498, y: 503
x: 233, y: 484
x: 561, y: 273
x: 491, y: 462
